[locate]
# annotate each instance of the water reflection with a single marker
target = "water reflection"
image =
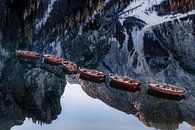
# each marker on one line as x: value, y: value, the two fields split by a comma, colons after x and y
x: 87, y: 112
x: 30, y: 90
x: 36, y: 91
x: 153, y: 112
x: 90, y: 33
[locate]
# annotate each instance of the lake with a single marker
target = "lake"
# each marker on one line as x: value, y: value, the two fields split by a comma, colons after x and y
x: 145, y: 40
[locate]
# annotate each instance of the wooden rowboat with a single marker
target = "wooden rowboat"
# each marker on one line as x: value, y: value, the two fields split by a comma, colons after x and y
x: 166, y: 89
x: 27, y: 54
x: 53, y: 59
x: 93, y: 75
x: 69, y: 66
x: 122, y: 81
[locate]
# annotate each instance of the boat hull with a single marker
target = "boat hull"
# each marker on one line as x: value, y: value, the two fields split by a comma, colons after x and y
x: 52, y: 59
x: 121, y: 84
x: 90, y: 78
x: 92, y: 75
x: 158, y: 94
x: 167, y: 92
x: 69, y: 67
x: 124, y: 82
x: 27, y: 54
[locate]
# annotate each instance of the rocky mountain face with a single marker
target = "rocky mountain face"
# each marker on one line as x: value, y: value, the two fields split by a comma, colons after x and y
x: 147, y: 40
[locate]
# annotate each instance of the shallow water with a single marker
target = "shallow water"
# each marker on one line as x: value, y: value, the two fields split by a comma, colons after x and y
x: 80, y: 111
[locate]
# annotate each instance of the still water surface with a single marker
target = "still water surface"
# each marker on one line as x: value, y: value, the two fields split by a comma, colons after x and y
x: 89, y: 33
x: 81, y: 112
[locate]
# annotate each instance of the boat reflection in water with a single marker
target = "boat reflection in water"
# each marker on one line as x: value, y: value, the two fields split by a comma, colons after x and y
x: 154, y: 112
x: 80, y: 111
x: 115, y: 109
x: 33, y: 91
x: 36, y: 95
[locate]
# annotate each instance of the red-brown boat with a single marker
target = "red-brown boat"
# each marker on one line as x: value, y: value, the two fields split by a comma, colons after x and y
x: 53, y: 59
x: 27, y: 54
x: 69, y: 67
x: 122, y: 81
x: 166, y: 89
x: 93, y: 75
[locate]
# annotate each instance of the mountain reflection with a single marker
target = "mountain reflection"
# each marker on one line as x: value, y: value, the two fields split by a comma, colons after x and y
x: 154, y: 112
x: 30, y: 91
x: 91, y: 33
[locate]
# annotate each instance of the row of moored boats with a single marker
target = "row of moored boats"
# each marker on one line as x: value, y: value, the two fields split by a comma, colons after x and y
x: 98, y: 76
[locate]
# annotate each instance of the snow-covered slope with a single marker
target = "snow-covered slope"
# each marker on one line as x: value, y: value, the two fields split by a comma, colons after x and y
x: 144, y: 10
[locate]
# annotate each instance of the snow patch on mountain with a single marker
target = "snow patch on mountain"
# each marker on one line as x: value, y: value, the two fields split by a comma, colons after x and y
x: 142, y: 9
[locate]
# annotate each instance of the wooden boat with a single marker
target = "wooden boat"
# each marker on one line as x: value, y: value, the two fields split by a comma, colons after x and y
x: 93, y: 75
x: 166, y: 89
x: 69, y: 67
x: 53, y: 59
x: 122, y: 81
x: 27, y: 54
